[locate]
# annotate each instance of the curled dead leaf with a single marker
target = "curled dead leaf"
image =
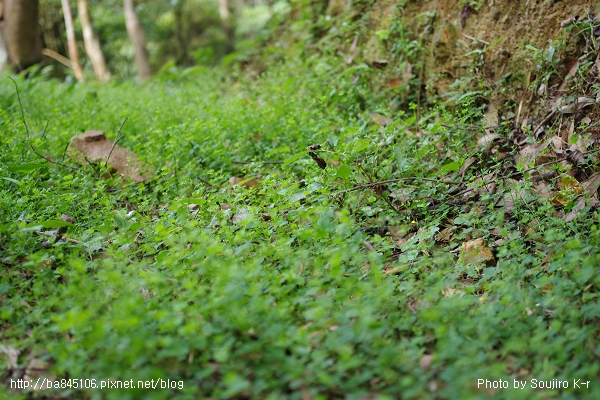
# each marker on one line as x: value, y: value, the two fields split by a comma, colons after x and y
x: 320, y: 162
x: 577, y: 105
x: 569, y: 188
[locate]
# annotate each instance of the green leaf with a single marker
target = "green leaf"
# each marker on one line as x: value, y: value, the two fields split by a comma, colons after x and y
x: 293, y: 159
x: 12, y: 180
x: 343, y: 172
x: 50, y: 224
x: 453, y: 166
x: 197, y: 201
x: 361, y: 144
x: 27, y: 167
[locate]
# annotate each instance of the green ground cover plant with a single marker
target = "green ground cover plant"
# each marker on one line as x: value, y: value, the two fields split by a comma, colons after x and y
x: 339, y: 273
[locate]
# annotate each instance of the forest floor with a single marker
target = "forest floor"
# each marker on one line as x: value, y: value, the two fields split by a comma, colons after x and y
x: 301, y: 236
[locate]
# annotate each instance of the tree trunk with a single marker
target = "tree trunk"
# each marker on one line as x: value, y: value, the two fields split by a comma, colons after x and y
x: 92, y: 44
x: 73, y: 52
x: 136, y: 34
x: 21, y: 33
x: 3, y: 51
x: 226, y: 20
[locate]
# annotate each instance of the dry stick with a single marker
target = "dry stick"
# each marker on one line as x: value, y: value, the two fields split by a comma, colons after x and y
x: 256, y: 162
x: 373, y: 184
x: 543, y: 122
x: 417, y: 122
x: 28, y: 144
x: 96, y: 172
x: 476, y: 40
x: 47, y: 159
x: 65, y: 151
x: 62, y: 237
x: 115, y: 143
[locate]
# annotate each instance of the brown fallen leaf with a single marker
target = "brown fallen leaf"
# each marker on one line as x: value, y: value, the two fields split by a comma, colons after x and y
x: 246, y: 182
x: 381, y: 120
x: 591, y: 185
x: 577, y: 105
x: 569, y: 188
x: 394, y: 82
x: 320, y: 162
x: 265, y: 216
x: 94, y: 146
x: 445, y: 235
x: 491, y: 118
x: 476, y: 252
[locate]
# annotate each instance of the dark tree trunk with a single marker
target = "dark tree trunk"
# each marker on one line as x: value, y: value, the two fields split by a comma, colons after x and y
x: 21, y: 33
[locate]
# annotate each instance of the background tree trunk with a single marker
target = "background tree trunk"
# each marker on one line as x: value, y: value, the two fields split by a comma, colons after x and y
x: 3, y: 51
x: 136, y: 34
x: 72, y: 43
x: 225, y: 14
x: 21, y: 33
x: 92, y: 44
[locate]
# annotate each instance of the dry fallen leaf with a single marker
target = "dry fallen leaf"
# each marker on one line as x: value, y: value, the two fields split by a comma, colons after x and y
x: 246, y: 182
x: 381, y: 120
x: 94, y: 146
x: 592, y: 184
x: 241, y: 215
x: 569, y: 187
x: 577, y: 105
x: 12, y: 357
x: 426, y: 361
x: 476, y: 252
x: 394, y: 82
x: 491, y: 118
x: 445, y: 235
x: 449, y: 292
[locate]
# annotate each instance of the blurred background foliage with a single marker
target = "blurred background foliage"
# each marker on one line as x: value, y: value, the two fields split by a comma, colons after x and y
x: 178, y: 32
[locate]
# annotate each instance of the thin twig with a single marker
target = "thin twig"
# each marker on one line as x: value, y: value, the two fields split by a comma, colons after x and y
x: 369, y: 246
x: 93, y: 167
x: 66, y: 239
x: 115, y: 143
x: 256, y: 162
x: 65, y: 151
x: 22, y: 116
x: 49, y: 160
x: 475, y: 39
x: 374, y: 184
x: 543, y: 122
